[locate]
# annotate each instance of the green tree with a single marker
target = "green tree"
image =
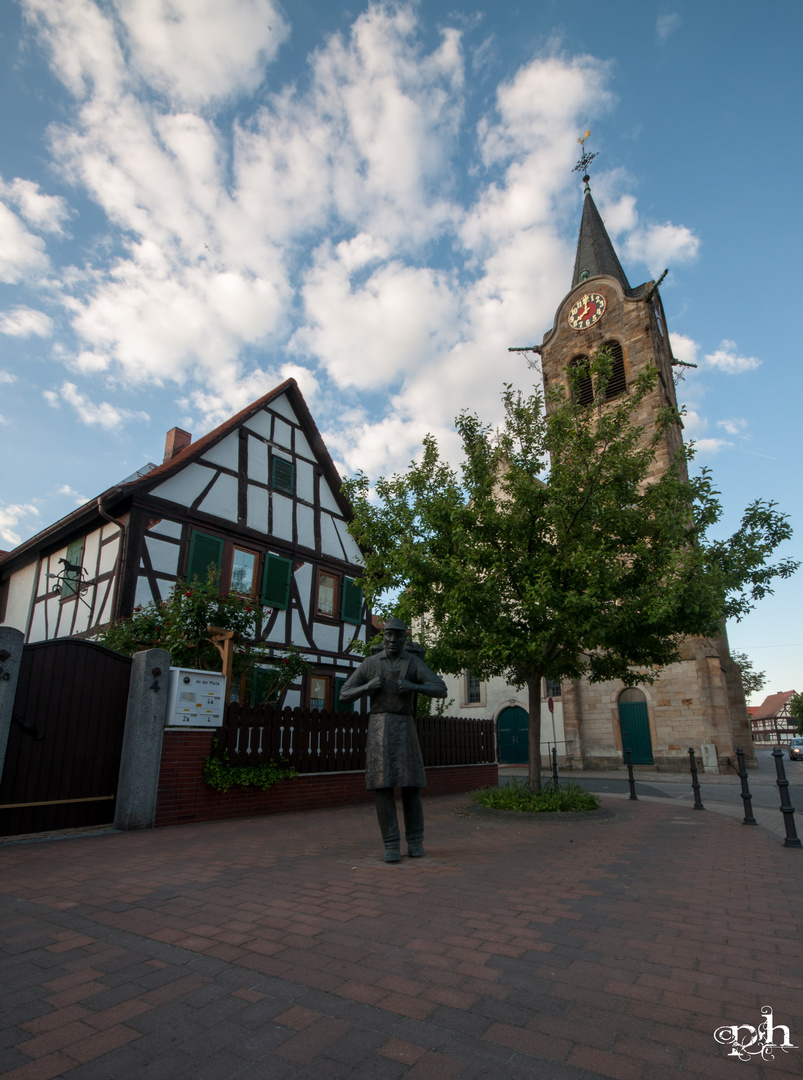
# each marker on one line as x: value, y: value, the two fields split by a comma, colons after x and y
x: 795, y: 707
x: 752, y: 681
x: 551, y: 555
x: 179, y: 624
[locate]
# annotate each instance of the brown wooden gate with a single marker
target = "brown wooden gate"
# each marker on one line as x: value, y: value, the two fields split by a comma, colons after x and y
x: 66, y: 737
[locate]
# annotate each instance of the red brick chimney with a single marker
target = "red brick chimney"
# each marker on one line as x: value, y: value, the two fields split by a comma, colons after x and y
x: 175, y: 441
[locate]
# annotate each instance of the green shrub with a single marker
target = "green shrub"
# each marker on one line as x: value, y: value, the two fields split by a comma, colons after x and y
x: 221, y: 775
x: 517, y: 796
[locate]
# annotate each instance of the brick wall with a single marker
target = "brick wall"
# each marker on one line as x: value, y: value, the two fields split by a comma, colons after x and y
x: 184, y: 797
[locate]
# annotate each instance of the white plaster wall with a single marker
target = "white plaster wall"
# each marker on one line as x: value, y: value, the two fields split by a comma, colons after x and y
x: 143, y: 594
x: 283, y: 407
x: 282, y: 516
x: 302, y: 446
x: 305, y: 483
x: 108, y: 553
x: 167, y: 528
x: 306, y: 525
x: 303, y: 576
x: 185, y: 487
x: 221, y: 499
x: 225, y: 453
x: 257, y: 460
x: 163, y: 555
x: 353, y: 553
x: 283, y: 434
x: 260, y: 423
x: 330, y: 541
x: 498, y: 694
x: 20, y: 589
x: 257, y: 508
x: 326, y: 637
x: 328, y: 501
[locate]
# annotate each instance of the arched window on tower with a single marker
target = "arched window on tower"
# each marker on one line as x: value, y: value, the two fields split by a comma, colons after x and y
x: 582, y: 387
x: 617, y: 384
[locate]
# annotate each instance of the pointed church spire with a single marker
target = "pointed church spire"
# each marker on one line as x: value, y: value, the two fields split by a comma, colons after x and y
x: 595, y: 253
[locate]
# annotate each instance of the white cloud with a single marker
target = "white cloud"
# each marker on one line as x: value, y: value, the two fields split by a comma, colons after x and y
x: 666, y: 25
x: 7, y: 377
x: 196, y: 51
x: 660, y: 246
x: 710, y: 446
x: 103, y: 415
x: 43, y: 212
x: 299, y: 238
x: 25, y: 322
x: 65, y: 489
x: 733, y: 427
x: 727, y: 359
x: 22, y: 254
x: 685, y: 348
x: 11, y: 514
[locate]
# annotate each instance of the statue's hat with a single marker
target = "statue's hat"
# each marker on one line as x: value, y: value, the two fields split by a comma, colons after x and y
x: 395, y: 624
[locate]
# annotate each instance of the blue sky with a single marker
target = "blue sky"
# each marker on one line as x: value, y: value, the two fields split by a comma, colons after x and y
x: 200, y: 198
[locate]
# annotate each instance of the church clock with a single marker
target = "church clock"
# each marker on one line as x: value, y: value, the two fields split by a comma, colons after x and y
x: 588, y: 310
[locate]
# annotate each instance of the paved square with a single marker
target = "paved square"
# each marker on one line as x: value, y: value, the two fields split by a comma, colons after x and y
x: 283, y: 947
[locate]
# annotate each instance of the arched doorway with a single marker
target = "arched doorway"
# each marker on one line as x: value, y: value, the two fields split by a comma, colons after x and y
x: 513, y: 735
x: 634, y: 722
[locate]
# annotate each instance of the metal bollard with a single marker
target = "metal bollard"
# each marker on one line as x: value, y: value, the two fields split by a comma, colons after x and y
x: 698, y: 805
x: 791, y: 839
x: 555, y: 779
x: 746, y: 796
x: 630, y: 780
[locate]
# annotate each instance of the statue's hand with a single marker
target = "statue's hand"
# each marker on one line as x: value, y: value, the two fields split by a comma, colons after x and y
x: 377, y: 683
x: 405, y: 684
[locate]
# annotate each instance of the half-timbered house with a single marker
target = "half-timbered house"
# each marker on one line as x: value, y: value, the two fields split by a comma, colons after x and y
x: 259, y: 498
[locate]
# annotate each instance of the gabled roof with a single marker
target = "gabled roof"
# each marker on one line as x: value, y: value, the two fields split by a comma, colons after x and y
x: 123, y: 493
x: 595, y: 253
x: 772, y: 705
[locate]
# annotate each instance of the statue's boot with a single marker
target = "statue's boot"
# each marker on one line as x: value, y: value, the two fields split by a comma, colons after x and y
x: 388, y: 823
x: 413, y: 821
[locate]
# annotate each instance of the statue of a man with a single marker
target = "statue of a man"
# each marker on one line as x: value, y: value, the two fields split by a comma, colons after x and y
x: 393, y: 756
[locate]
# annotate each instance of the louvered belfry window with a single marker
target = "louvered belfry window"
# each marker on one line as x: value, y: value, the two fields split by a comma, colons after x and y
x: 617, y: 384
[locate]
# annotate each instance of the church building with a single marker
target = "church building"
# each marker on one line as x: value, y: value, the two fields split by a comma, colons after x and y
x: 698, y: 701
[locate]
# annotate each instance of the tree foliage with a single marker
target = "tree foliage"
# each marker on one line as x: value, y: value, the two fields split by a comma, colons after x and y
x: 179, y: 624
x: 753, y: 682
x: 551, y: 555
x: 795, y: 709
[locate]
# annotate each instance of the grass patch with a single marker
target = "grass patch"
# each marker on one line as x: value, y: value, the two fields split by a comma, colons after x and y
x: 517, y: 796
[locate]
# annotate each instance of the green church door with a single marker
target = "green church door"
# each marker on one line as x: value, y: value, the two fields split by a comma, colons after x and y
x: 513, y: 735
x: 635, y: 724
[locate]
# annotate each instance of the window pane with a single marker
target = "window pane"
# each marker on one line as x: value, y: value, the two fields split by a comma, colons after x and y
x: 327, y: 586
x: 473, y: 686
x: 318, y: 688
x: 243, y: 564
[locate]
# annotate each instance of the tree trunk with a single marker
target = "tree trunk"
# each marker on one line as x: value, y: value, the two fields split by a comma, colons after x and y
x: 534, y: 708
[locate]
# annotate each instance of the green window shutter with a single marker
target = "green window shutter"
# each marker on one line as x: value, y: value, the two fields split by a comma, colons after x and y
x: 205, y: 551
x: 75, y: 553
x: 283, y: 475
x: 351, y: 604
x: 276, y: 582
x: 349, y: 706
x: 260, y: 684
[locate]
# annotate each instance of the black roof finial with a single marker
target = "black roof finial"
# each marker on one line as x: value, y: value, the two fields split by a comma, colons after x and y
x: 584, y: 162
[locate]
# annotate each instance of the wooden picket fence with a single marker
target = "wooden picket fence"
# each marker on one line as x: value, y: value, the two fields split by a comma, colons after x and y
x: 314, y: 741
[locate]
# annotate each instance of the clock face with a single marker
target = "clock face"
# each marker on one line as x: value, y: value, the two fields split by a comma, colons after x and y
x: 588, y: 310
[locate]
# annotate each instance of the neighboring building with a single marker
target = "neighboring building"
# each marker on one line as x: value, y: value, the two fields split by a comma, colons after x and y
x: 699, y: 701
x: 508, y: 707
x: 259, y: 498
x: 771, y: 721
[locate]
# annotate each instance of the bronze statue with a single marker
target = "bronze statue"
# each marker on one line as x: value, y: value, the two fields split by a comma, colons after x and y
x: 393, y: 759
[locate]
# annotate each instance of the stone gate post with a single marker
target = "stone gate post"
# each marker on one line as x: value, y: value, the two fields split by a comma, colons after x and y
x: 138, y: 783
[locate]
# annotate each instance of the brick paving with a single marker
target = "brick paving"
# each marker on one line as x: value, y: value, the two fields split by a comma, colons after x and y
x: 283, y: 947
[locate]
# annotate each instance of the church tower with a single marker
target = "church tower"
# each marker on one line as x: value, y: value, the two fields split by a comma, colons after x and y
x: 699, y: 701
